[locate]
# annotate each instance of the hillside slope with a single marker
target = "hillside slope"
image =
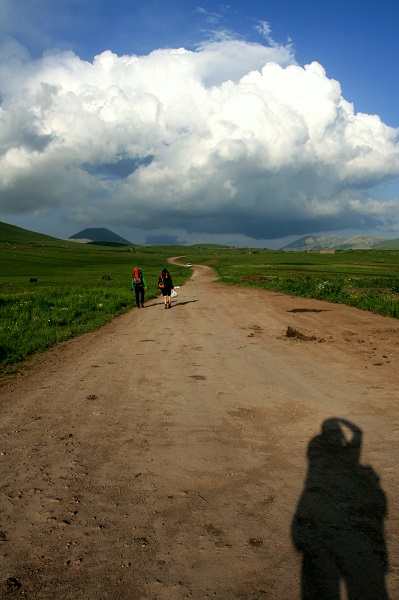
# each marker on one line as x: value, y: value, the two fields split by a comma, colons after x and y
x: 13, y: 234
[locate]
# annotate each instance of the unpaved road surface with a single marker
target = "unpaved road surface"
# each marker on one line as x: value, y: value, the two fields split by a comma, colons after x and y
x: 179, y: 454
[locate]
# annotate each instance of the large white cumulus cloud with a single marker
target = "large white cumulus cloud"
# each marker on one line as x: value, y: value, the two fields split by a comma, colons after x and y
x: 232, y: 138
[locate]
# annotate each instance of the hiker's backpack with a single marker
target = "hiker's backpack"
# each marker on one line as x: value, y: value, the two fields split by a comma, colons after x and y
x: 161, y: 281
x: 137, y: 276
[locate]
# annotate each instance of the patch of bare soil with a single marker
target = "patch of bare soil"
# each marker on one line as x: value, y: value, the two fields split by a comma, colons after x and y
x: 201, y: 452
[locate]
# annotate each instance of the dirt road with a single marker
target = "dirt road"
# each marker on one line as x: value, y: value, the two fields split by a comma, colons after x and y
x: 166, y: 455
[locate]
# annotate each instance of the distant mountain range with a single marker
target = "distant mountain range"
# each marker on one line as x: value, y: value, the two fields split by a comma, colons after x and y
x: 98, y: 234
x: 14, y: 234
x: 332, y: 242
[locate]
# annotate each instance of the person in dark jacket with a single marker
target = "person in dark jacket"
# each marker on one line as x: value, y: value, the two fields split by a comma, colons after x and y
x: 165, y: 284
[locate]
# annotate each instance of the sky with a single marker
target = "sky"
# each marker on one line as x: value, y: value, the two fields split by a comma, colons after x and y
x: 180, y: 121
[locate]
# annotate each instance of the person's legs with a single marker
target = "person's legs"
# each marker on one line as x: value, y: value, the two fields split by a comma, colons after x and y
x: 142, y: 296
x: 169, y: 301
x: 165, y: 298
x: 137, y: 291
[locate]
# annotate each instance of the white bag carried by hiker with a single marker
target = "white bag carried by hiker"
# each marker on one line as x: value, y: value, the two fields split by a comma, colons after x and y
x: 174, y: 294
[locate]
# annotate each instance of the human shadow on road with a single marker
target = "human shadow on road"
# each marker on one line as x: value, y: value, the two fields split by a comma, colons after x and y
x: 338, y: 526
x: 306, y: 310
x: 174, y: 303
x: 178, y: 303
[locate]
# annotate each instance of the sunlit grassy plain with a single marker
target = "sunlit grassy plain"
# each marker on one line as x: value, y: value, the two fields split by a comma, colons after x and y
x: 367, y: 279
x: 70, y: 297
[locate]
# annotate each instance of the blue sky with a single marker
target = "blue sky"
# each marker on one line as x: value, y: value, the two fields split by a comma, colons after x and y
x: 200, y: 121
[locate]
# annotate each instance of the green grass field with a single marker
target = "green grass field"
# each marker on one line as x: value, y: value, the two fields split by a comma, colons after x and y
x: 367, y: 279
x: 69, y: 296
